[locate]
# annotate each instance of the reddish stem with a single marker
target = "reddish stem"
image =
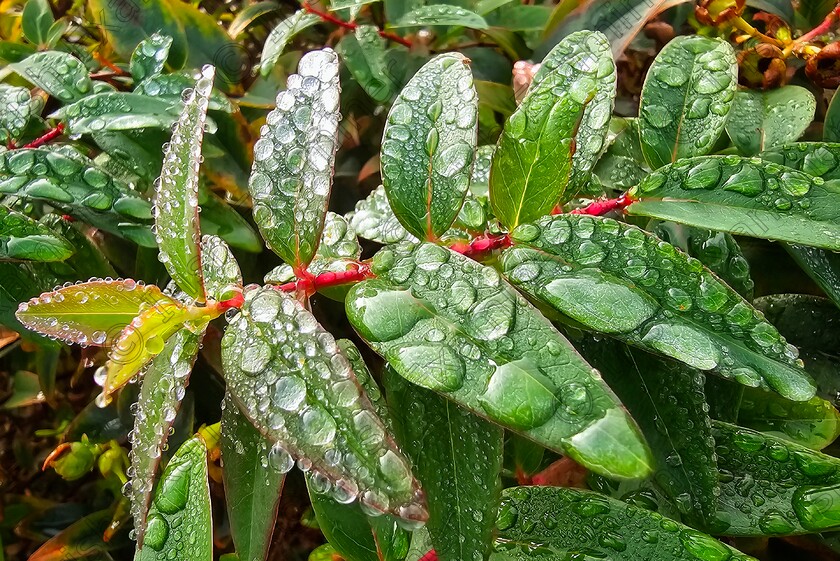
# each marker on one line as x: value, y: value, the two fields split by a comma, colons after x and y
x: 481, y: 245
x: 351, y: 25
x: 822, y: 28
x: 310, y: 283
x: 235, y: 302
x: 601, y: 207
x: 430, y: 556
x: 48, y: 136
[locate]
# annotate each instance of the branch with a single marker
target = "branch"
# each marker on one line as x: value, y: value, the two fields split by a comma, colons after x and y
x: 481, y: 245
x: 601, y: 207
x: 351, y: 25
x: 50, y: 135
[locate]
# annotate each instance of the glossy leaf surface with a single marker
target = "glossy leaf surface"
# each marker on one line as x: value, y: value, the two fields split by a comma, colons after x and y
x: 428, y: 146
x: 17, y: 106
x: 294, y: 157
x: 743, y: 196
x: 61, y: 75
x: 814, y: 423
x: 441, y: 14
x: 117, y: 111
x: 687, y: 95
x: 819, y: 159
x: 281, y: 35
x: 763, y: 120
x: 289, y: 378
x: 451, y: 325
x: 149, y: 57
x: 221, y: 271
x: 176, y: 192
x: 617, y: 279
x: 821, y: 265
x: 374, y: 220
x: 23, y: 239
x: 365, y: 56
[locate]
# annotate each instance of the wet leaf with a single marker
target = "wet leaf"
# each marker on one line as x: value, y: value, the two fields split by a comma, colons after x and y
x: 26, y: 390
x: 61, y: 75
x: 288, y: 377
x: 581, y: 63
x: 667, y: 400
x: 428, y: 146
x: 764, y: 120
x: 772, y: 486
x: 451, y: 325
x: 441, y: 14
x: 163, y: 387
x: 553, y: 521
x: 458, y: 457
x: 280, y: 37
x: 294, y: 158
x: 686, y: 97
x: 118, y: 111
x: 374, y: 220
x: 480, y: 178
x: 23, y: 239
x: 17, y: 107
x: 743, y: 196
x: 87, y: 260
x: 170, y: 87
x: 149, y: 57
x: 176, y: 193
x: 253, y: 483
x: 221, y: 271
x: 364, y: 54
x: 221, y: 219
x: 617, y: 279
x: 180, y: 521
x: 90, y: 313
x: 818, y: 159
x: 814, y: 424
x: 76, y: 185
x: 248, y: 15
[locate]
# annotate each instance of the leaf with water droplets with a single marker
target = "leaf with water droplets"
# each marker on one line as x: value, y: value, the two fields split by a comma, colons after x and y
x: 365, y: 57
x: 554, y: 522
x: 180, y: 524
x: 176, y: 193
x: 281, y: 35
x: 289, y: 378
x: 78, y: 186
x: 771, y: 486
x: 818, y: 159
x: 451, y: 325
x: 87, y: 260
x: 61, y: 75
x: 220, y: 219
x: 814, y: 423
x: 617, y: 279
x: 17, y: 107
x: 745, y: 196
x: 169, y: 87
x: 117, y: 111
x: 294, y: 159
x: 221, y: 271
x: 686, y: 97
x: 764, y: 120
x: 149, y: 57
x: 254, y: 474
x: 458, y: 458
x: 163, y: 386
x: 374, y: 220
x: 666, y: 399
x: 441, y: 14
x: 23, y: 239
x: 480, y: 177
x: 428, y: 146
x: 91, y: 313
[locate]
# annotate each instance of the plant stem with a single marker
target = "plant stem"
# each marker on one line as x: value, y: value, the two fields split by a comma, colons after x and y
x: 741, y: 24
x: 351, y: 25
x: 358, y: 272
x: 481, y: 245
x: 822, y: 28
x: 601, y: 207
x: 48, y: 136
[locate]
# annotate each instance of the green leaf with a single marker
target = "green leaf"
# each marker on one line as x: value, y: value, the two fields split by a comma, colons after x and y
x: 294, y: 158
x: 90, y: 313
x: 13, y: 51
x: 667, y: 400
x: 480, y: 177
x: 772, y: 486
x: 449, y: 324
x: 82, y: 540
x: 364, y: 54
x: 819, y: 159
x: 831, y: 126
x: 743, y: 196
x: 61, y: 75
x: 458, y: 457
x: 353, y: 5
x: 218, y: 218
x: 36, y: 20
x: 180, y: 522
x: 716, y: 250
x: 118, y: 111
x: 428, y: 146
x: 581, y: 63
x: 170, y: 87
x: 17, y: 107
x: 253, y: 482
x: 149, y: 57
x: 77, y: 186
x: 552, y: 521
x: 374, y: 220
x: 814, y: 424
x: 23, y: 239
x: 280, y: 37
x: 686, y: 98
x: 497, y: 97
x: 299, y: 390
x: 247, y: 15
x: 220, y: 269
x: 521, y: 17
x: 617, y: 279
x: 87, y: 260
x: 441, y: 14
x: 163, y: 386
x: 176, y: 198
x: 763, y: 120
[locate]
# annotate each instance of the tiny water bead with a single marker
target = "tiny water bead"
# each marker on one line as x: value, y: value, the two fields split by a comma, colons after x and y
x: 58, y: 73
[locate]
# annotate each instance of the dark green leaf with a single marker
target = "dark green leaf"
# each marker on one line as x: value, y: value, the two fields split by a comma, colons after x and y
x: 428, y: 146
x: 298, y: 389
x: 87, y: 260
x: 81, y: 540
x: 814, y: 423
x: 548, y: 522
x: 819, y: 159
x: 441, y: 14
x: 617, y: 279
x: 743, y: 196
x: 294, y: 158
x: 61, y: 75
x: 496, y: 96
x: 218, y: 218
x: 452, y: 325
x: 764, y: 120
x: 180, y: 523
x: 821, y: 265
x: 364, y: 54
x: 118, y: 111
x: 23, y: 239
x: 176, y: 193
x: 686, y: 98
x: 280, y: 37
x: 149, y: 57
x: 831, y: 127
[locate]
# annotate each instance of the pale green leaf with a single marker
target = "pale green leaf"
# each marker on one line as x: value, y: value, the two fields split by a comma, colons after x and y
x: 61, y: 75
x: 763, y: 120
x: 24, y: 239
x: 17, y: 107
x: 441, y: 14
x: 118, y: 111
x: 374, y: 220
x: 220, y: 270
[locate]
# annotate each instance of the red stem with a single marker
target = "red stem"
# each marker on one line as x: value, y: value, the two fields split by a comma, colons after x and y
x: 48, y: 136
x: 822, y: 28
x: 351, y: 25
x: 235, y: 302
x: 310, y: 283
x: 481, y: 245
x: 430, y: 556
x: 601, y: 207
